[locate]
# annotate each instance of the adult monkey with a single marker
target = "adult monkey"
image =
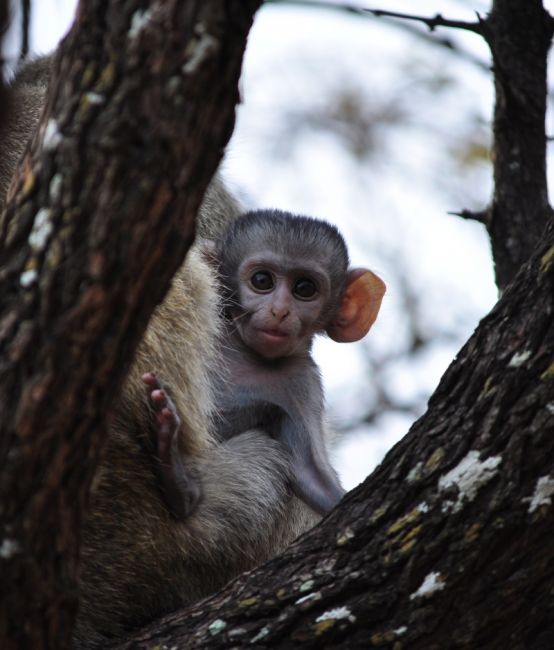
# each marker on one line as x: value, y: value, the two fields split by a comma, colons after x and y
x: 137, y: 559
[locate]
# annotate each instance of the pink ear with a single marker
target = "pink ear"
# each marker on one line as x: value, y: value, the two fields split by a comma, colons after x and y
x: 359, y: 307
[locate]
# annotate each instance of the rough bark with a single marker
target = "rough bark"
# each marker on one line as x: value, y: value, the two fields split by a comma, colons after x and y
x: 519, y: 33
x: 140, y: 111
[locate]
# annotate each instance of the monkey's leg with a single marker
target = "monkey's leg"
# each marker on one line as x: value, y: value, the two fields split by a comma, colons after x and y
x: 181, y: 490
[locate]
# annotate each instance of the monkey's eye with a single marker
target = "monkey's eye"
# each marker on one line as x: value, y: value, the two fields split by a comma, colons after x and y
x: 304, y: 289
x: 262, y: 281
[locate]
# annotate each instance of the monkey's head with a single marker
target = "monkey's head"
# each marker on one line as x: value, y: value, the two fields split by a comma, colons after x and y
x: 286, y: 278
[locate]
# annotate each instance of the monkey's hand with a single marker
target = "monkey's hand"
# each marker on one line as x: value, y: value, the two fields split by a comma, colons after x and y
x: 180, y: 489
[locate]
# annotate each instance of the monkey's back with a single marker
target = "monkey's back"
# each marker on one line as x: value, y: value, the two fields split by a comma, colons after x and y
x: 28, y: 93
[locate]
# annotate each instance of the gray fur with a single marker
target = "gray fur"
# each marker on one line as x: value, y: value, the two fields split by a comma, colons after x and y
x: 283, y: 395
x: 28, y: 94
x: 290, y: 235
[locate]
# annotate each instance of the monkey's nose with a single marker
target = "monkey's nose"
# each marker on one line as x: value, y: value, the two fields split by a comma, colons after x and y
x: 279, y: 312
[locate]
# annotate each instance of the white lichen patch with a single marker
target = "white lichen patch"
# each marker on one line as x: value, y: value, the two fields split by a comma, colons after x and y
x: 217, y: 626
x: 423, y: 507
x: 415, y: 473
x: 433, y: 582
x: 8, y: 548
x: 400, y: 630
x: 336, y: 614
x: 468, y: 476
x: 519, y: 359
x: 237, y: 631
x: 325, y: 566
x: 95, y: 98
x: 345, y: 536
x: 139, y: 20
x: 550, y: 408
x: 200, y: 49
x: 41, y: 231
x: 310, y: 598
x: 543, y: 493
x: 28, y: 278
x: 55, y: 187
x: 261, y: 634
x: 52, y: 136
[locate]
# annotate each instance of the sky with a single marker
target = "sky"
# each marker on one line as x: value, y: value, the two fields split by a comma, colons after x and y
x: 392, y: 208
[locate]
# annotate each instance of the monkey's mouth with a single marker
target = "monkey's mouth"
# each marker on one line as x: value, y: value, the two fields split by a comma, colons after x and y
x: 274, y: 335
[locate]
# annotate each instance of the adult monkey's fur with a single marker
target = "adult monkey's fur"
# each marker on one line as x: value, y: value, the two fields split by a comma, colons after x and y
x: 137, y: 560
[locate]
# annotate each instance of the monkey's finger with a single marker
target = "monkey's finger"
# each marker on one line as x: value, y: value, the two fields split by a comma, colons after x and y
x: 159, y: 398
x: 168, y: 423
x: 150, y: 379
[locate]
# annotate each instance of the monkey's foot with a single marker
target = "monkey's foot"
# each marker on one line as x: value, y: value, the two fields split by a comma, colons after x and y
x: 181, y: 491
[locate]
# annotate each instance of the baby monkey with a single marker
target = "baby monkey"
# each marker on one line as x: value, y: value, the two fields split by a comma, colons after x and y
x: 284, y: 278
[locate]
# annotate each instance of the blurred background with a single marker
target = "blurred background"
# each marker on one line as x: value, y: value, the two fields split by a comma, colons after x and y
x: 383, y: 128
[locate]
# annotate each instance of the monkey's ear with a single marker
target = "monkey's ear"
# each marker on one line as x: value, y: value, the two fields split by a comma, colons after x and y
x: 359, y: 307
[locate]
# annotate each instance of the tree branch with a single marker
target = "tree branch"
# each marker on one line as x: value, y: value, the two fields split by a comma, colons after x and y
x: 26, y: 9
x: 481, y: 216
x: 432, y: 23
x: 359, y: 11
x: 318, y: 4
x: 519, y: 35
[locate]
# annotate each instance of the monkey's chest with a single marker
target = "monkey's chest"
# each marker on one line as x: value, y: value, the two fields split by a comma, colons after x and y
x: 234, y: 421
x: 243, y: 376
x: 249, y: 397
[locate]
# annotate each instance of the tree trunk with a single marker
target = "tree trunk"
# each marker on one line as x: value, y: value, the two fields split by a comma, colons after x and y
x: 519, y: 33
x: 141, y: 108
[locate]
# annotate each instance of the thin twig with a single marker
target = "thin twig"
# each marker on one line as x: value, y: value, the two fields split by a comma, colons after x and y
x: 320, y: 4
x: 434, y: 22
x: 482, y: 216
x: 365, y: 13
x: 25, y: 28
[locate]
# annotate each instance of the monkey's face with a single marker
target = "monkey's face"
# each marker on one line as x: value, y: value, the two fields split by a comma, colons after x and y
x: 281, y: 302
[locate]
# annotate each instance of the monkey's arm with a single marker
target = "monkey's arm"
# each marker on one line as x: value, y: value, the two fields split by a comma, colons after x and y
x: 302, y: 432
x: 294, y: 417
x: 181, y: 490
x: 313, y: 479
